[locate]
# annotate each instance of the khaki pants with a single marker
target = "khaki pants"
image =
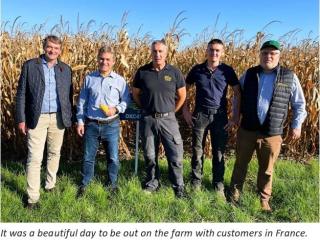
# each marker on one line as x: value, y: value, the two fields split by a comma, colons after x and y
x: 267, y: 149
x: 49, y: 129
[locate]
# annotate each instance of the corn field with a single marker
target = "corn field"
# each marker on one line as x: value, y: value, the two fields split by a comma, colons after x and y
x: 80, y: 50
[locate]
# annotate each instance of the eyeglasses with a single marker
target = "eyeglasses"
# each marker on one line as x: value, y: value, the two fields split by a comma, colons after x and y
x: 272, y: 54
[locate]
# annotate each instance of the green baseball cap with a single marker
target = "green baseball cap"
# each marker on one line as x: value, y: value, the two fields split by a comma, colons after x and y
x: 271, y: 43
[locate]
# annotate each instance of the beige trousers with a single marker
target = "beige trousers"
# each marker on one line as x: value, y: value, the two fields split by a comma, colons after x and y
x: 49, y: 129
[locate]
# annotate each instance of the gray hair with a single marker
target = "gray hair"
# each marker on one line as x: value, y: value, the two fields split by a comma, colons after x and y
x: 105, y: 49
x: 159, y: 42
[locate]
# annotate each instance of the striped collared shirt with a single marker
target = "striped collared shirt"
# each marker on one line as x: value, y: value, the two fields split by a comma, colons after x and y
x: 96, y: 90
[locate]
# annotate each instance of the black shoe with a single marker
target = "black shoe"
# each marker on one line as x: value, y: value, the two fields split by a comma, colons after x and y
x: 219, y: 189
x: 180, y: 192
x: 196, y: 187
x: 81, y: 191
x: 114, y: 190
x: 32, y: 206
x: 49, y: 190
x: 149, y: 190
x: 221, y: 194
x: 218, y: 186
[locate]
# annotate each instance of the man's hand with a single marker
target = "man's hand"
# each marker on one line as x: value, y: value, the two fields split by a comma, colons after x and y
x: 231, y: 123
x: 187, y: 116
x: 80, y: 130
x: 295, y: 133
x: 108, y: 111
x: 112, y: 111
x: 22, y: 128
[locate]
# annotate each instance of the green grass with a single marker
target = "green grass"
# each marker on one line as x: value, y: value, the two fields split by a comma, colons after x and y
x: 295, y: 196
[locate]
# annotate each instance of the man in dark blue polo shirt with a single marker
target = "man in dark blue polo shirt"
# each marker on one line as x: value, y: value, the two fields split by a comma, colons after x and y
x: 159, y: 89
x: 211, y: 79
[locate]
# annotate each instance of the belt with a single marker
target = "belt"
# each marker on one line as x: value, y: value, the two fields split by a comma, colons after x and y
x: 160, y: 115
x: 108, y: 121
x: 49, y: 112
x: 208, y: 110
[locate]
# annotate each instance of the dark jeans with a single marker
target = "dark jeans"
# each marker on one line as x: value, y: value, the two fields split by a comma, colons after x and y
x: 109, y: 135
x: 214, y: 122
x: 166, y: 130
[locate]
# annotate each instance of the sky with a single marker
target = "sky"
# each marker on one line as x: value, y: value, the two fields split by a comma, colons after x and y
x: 157, y: 17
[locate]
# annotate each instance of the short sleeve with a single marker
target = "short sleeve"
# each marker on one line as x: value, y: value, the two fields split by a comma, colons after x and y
x: 180, y: 80
x: 136, y: 81
x: 190, y: 77
x: 232, y: 78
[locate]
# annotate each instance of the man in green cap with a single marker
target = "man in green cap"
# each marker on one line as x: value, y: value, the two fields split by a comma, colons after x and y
x: 267, y: 90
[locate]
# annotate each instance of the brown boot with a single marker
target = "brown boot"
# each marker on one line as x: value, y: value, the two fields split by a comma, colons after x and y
x: 265, y: 206
x: 235, y: 195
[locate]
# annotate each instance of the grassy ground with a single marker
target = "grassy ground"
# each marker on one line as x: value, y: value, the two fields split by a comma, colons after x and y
x: 295, y: 197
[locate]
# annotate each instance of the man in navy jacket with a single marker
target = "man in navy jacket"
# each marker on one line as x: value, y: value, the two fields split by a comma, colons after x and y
x: 43, y: 110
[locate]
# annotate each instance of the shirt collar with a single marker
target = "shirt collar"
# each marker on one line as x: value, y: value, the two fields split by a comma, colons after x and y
x: 205, y: 65
x: 112, y: 74
x: 275, y: 70
x: 150, y: 66
x: 44, y: 61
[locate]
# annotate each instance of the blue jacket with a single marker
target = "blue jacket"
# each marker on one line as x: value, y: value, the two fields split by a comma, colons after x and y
x: 31, y: 88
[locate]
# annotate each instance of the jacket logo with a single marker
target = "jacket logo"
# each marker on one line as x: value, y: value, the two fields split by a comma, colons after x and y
x: 282, y: 85
x: 167, y: 78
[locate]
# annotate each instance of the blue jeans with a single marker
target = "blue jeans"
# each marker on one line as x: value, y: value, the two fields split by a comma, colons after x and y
x: 109, y: 136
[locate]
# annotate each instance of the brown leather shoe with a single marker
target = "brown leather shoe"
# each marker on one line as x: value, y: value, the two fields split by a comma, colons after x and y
x: 265, y: 206
x: 235, y: 195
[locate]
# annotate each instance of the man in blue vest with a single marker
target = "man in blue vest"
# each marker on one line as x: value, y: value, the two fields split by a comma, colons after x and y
x: 267, y: 90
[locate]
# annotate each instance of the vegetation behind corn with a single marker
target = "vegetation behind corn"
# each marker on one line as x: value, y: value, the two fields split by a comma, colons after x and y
x: 80, y: 49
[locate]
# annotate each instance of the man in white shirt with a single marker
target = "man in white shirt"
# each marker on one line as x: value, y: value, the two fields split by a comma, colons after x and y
x: 103, y: 96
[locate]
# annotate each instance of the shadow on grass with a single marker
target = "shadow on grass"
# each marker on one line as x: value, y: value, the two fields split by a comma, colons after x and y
x: 72, y: 170
x: 15, y: 168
